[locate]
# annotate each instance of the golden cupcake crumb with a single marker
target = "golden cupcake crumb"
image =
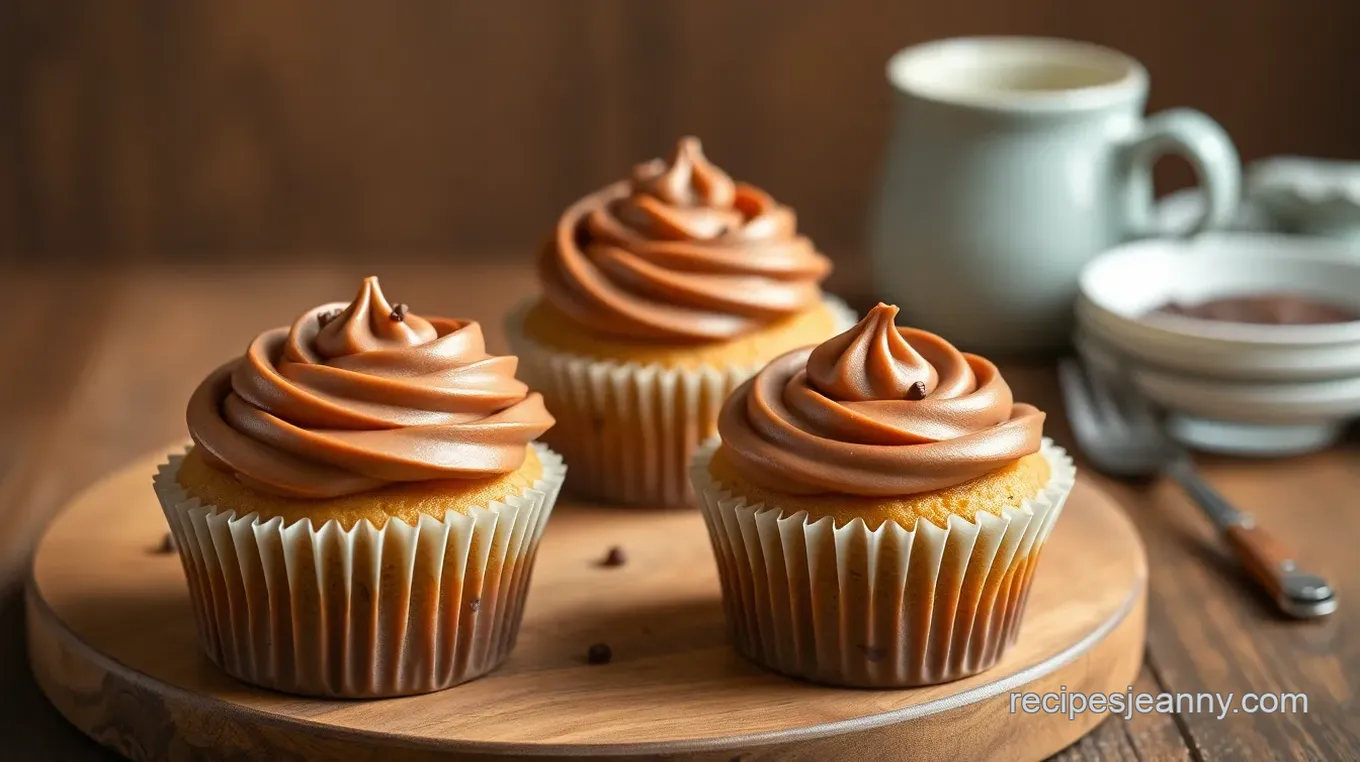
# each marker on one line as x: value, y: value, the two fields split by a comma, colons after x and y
x: 550, y: 327
x: 405, y: 501
x: 1008, y: 486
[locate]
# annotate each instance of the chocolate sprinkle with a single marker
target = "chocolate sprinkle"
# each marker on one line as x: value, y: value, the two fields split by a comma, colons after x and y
x: 399, y: 312
x: 599, y: 653
x: 917, y: 391
x: 475, y: 604
x: 322, y: 318
x: 615, y: 557
x: 168, y: 544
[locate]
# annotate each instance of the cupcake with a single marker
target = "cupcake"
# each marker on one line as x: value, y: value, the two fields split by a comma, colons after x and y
x: 661, y: 294
x: 360, y: 508
x: 877, y: 505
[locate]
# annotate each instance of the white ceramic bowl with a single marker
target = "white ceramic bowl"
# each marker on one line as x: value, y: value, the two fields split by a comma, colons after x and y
x: 1235, y: 417
x: 1178, y: 212
x: 1227, y: 387
x: 1313, y: 196
x: 1120, y: 287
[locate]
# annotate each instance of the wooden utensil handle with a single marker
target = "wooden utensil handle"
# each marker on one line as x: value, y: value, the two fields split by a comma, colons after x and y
x: 1262, y: 555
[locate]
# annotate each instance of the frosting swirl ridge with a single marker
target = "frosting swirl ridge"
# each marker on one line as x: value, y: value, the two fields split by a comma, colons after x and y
x: 355, y: 396
x: 878, y: 411
x: 680, y: 252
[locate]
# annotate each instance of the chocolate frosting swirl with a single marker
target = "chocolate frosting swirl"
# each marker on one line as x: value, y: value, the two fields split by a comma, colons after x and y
x: 878, y: 410
x: 680, y: 253
x: 355, y: 396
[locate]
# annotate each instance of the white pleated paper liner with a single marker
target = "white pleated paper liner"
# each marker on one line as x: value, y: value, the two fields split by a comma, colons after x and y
x: 629, y: 430
x: 884, y: 608
x: 363, y: 612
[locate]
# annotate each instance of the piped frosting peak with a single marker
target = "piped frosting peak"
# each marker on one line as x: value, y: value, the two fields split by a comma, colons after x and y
x: 871, y: 361
x: 680, y: 253
x: 879, y: 410
x: 367, y: 324
x: 357, y: 395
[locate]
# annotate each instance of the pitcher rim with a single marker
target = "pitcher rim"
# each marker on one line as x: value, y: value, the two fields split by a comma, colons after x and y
x: 1125, y: 78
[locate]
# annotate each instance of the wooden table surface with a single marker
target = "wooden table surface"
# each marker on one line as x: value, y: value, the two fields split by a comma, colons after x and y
x: 96, y: 366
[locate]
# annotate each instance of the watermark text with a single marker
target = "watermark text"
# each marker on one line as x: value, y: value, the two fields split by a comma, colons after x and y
x: 1131, y: 702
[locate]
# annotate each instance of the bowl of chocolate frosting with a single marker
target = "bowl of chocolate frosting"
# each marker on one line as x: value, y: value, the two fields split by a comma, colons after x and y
x: 1250, y: 341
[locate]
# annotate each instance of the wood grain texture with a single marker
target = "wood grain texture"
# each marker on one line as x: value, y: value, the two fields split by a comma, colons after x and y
x: 113, y: 643
x: 263, y: 129
x: 1210, y: 627
x: 1214, y: 630
x: 38, y: 377
x: 147, y: 337
x: 1142, y: 737
x: 46, y: 363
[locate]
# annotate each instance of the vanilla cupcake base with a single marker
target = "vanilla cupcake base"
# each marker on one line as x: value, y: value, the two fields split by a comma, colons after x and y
x: 880, y: 608
x: 630, y: 430
x: 364, y: 612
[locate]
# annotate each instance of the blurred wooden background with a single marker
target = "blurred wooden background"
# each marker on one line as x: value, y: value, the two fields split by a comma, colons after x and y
x: 167, y: 130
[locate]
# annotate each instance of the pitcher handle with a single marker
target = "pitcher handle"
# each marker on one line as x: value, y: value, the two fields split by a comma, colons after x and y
x: 1205, y: 144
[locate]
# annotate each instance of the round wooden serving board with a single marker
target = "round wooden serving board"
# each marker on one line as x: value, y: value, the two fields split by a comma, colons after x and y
x: 112, y: 643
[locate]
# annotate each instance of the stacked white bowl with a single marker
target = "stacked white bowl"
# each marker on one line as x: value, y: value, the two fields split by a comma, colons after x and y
x: 1228, y: 387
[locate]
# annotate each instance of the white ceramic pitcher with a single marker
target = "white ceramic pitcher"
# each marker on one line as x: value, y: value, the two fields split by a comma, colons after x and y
x: 1012, y: 162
